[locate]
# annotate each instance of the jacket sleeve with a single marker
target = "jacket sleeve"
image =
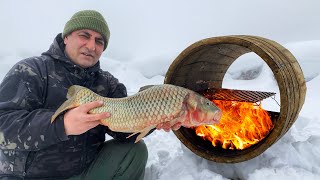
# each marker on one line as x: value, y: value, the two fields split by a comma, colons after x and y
x: 118, y: 90
x: 24, y: 123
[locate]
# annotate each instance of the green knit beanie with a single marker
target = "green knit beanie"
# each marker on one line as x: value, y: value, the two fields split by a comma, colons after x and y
x: 88, y: 19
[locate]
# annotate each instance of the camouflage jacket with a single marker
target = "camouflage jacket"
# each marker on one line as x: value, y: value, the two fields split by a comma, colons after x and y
x: 30, y: 146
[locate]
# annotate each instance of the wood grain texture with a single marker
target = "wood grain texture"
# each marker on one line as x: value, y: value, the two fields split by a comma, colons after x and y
x: 208, y: 61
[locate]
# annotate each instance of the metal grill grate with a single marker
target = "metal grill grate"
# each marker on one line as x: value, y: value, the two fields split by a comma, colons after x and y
x: 235, y: 95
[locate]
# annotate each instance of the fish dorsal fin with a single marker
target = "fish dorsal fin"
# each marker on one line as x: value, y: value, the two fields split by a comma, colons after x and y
x: 145, y: 87
x: 73, y: 90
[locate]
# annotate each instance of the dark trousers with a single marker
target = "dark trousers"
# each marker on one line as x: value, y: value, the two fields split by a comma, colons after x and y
x: 117, y: 160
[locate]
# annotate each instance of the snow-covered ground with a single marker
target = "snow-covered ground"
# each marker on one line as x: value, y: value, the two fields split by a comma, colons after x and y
x: 146, y: 36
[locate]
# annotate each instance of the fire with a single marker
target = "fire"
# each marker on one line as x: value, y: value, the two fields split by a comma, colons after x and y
x: 242, y: 125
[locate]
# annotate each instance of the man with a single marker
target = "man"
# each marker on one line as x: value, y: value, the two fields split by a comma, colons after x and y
x: 73, y: 145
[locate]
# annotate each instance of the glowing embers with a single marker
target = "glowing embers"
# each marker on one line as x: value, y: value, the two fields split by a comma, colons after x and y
x: 242, y: 125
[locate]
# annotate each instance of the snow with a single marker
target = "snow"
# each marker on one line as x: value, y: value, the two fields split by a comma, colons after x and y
x: 147, y: 36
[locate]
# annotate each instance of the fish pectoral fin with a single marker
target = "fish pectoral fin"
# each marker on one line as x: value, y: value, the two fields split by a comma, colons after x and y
x: 132, y: 134
x: 142, y: 134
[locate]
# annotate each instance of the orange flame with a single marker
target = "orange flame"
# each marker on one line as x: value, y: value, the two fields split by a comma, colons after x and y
x: 242, y: 125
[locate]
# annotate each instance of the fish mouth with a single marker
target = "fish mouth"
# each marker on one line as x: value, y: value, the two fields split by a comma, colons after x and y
x: 208, y: 119
x: 217, y: 116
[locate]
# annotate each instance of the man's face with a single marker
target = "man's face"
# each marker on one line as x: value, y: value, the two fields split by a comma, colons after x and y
x: 84, y: 47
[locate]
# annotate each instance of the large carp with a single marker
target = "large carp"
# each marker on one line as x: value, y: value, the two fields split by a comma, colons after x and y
x: 143, y: 111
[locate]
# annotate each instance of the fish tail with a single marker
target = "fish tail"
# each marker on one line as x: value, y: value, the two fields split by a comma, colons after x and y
x: 70, y: 103
x: 73, y: 90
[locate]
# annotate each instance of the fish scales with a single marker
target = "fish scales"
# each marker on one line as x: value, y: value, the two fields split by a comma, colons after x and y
x: 141, y: 112
x: 135, y: 112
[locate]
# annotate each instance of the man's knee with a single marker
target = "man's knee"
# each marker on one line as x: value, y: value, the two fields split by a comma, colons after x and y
x: 138, y: 151
x: 126, y: 147
x: 119, y: 160
x: 132, y: 161
x: 141, y: 149
x: 121, y: 150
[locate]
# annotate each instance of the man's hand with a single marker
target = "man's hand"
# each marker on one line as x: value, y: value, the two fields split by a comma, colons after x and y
x: 78, y: 120
x: 166, y: 126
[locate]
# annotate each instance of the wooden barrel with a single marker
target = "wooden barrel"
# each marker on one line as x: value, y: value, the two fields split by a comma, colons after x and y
x: 208, y: 61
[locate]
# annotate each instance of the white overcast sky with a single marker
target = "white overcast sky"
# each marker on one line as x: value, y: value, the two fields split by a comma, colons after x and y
x: 140, y: 27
